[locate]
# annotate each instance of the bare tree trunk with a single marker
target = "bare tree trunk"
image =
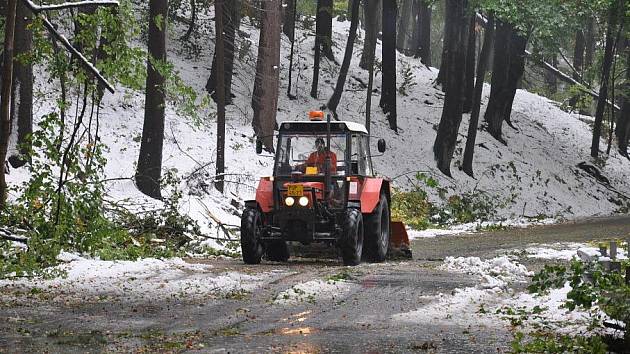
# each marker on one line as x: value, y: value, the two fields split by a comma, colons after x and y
x: 424, y: 36
x: 407, y: 27
x: 318, y: 49
x: 446, y: 138
x: 550, y: 79
x: 446, y: 49
x: 288, y: 27
x: 220, y: 56
x: 266, y: 84
x: 469, y: 152
x: 603, y: 89
x: 508, y: 67
x: 343, y: 73
x: 193, y: 20
x: 388, y: 89
x: 5, y: 102
x: 149, y: 170
x: 22, y: 102
x: 470, y: 64
x: 370, y: 8
x: 623, y: 125
x: 578, y: 60
x: 324, y: 28
x: 590, y: 42
x: 293, y: 12
x: 232, y: 19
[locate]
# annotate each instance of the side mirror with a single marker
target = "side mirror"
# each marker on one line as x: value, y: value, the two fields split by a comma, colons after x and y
x: 382, y: 146
x: 259, y: 146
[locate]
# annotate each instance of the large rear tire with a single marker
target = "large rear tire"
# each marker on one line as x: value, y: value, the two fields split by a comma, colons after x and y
x: 277, y: 251
x: 352, y: 238
x: 377, y: 232
x: 251, y: 229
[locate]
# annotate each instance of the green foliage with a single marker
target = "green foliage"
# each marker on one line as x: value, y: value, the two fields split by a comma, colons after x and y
x: 414, y: 208
x: 590, y: 285
x: 408, y: 80
x: 542, y: 342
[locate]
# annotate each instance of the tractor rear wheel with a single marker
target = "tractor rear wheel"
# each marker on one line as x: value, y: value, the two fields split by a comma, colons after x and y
x: 251, y: 230
x: 377, y: 232
x: 278, y: 251
x: 352, y: 238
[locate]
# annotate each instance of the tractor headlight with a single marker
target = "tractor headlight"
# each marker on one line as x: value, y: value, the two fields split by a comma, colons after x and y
x: 303, y: 201
x: 289, y: 201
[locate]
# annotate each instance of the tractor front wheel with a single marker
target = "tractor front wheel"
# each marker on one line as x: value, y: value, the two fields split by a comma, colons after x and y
x: 352, y: 239
x: 251, y: 229
x: 377, y: 232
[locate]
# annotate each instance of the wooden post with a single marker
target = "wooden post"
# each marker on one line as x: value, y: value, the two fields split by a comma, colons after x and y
x: 613, y: 250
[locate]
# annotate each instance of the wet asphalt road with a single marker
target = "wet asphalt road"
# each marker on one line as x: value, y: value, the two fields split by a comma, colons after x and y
x: 359, y: 321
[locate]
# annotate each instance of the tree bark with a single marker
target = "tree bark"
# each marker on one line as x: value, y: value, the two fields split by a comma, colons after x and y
x: 407, y: 27
x: 266, y: 84
x: 578, y: 60
x: 318, y: 49
x: 324, y: 28
x: 508, y: 67
x: 603, y: 89
x: 388, y: 89
x: 220, y: 56
x: 22, y: 102
x: 288, y: 27
x: 518, y: 44
x: 446, y: 138
x: 424, y: 36
x: 623, y: 125
x: 231, y: 21
x: 293, y: 13
x: 333, y: 102
x: 370, y: 9
x: 5, y: 101
x: 550, y: 79
x: 446, y: 49
x: 471, y: 52
x: 590, y: 42
x: 484, y: 57
x: 149, y: 170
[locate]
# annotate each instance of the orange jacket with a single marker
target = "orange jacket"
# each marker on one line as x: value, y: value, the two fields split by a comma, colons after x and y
x: 318, y: 159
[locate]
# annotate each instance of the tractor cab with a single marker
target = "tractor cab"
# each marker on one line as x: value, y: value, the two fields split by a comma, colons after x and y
x: 323, y: 189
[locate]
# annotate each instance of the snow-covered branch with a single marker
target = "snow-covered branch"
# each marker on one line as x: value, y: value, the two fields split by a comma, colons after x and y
x: 36, y: 9
x: 566, y: 78
x: 67, y: 5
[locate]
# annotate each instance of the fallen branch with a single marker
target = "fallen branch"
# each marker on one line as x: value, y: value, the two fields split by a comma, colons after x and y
x: 562, y: 76
x: 68, y: 5
x: 37, y: 10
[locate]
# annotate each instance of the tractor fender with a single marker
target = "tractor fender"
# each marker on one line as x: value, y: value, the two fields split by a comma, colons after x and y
x: 264, y: 195
x: 371, y: 193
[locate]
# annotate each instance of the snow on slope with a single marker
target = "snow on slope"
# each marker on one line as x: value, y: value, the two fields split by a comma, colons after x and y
x: 534, y: 175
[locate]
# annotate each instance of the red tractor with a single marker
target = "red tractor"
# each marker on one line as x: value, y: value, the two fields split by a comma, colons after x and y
x: 323, y: 189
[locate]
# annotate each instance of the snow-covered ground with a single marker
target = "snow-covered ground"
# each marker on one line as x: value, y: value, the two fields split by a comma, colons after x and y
x: 495, y: 296
x: 534, y: 176
x: 143, y: 279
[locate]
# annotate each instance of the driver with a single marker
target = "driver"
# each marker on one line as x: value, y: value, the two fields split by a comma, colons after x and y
x: 318, y: 157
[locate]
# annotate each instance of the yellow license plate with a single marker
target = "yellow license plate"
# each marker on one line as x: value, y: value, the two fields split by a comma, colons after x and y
x: 295, y: 191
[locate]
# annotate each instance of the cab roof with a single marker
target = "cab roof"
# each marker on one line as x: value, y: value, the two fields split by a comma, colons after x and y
x: 320, y: 126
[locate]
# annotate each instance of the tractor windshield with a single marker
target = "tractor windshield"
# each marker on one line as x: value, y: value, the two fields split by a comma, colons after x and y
x: 306, y: 153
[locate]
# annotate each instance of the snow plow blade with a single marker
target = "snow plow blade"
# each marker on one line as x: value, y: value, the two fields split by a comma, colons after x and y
x: 399, y: 241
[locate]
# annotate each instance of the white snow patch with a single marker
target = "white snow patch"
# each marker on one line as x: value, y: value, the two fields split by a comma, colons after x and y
x: 146, y: 278
x: 313, y: 291
x: 569, y: 251
x: 495, y: 273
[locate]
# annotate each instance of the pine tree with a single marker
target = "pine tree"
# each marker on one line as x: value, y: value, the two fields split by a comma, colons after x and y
x: 149, y: 170
x: 266, y: 84
x: 388, y: 89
